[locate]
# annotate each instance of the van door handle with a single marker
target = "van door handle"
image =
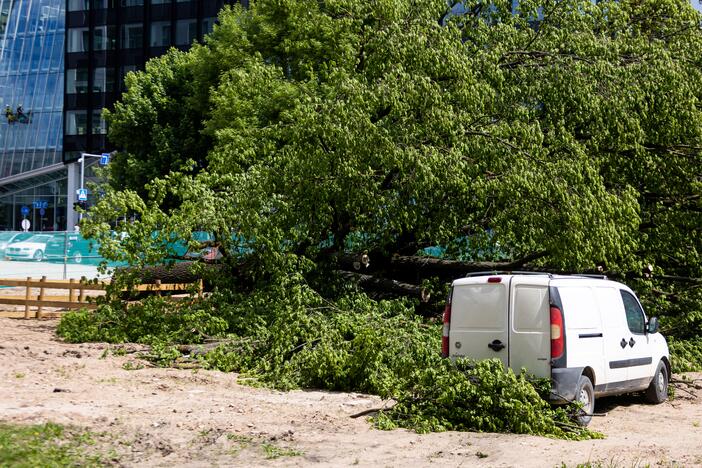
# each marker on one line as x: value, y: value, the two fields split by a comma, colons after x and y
x: 496, y: 345
x: 632, y: 342
x: 622, y: 343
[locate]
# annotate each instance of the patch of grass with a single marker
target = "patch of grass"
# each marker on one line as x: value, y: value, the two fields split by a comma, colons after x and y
x: 273, y: 451
x: 481, y: 454
x: 19, y: 375
x: 46, y: 445
x: 130, y: 365
x: 241, y: 442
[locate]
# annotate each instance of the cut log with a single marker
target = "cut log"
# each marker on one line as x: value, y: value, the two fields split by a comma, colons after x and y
x: 387, y: 285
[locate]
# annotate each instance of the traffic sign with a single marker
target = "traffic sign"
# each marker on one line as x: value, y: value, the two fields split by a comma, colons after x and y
x: 24, y: 210
x: 42, y: 211
x: 82, y: 194
x: 104, y: 159
x: 39, y: 204
x: 25, y: 225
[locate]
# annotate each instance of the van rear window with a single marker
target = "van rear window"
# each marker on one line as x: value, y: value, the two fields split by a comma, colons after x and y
x: 479, y: 306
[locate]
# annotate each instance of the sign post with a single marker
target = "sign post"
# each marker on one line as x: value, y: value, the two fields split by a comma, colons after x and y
x: 25, y: 225
x: 82, y: 191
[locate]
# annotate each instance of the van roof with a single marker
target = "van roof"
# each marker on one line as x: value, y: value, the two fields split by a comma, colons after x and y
x: 481, y: 277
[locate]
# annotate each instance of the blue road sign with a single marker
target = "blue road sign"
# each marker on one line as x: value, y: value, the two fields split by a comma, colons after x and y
x: 105, y: 159
x: 24, y: 210
x: 39, y: 204
x: 42, y: 211
x: 82, y: 194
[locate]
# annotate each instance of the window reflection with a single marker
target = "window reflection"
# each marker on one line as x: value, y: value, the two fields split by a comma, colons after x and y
x: 77, y: 81
x: 99, y: 125
x: 78, y: 5
x: 78, y: 40
x: 132, y: 36
x: 186, y: 31
x: 161, y: 34
x: 76, y: 122
x: 104, y: 37
x: 103, y: 80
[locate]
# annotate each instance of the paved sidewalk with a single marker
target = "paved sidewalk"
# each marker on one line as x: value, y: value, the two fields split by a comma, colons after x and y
x: 18, y: 269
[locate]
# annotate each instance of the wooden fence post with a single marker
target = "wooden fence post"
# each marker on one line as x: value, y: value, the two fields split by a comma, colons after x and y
x: 27, y: 297
x: 71, y: 292
x: 41, y: 297
x: 200, y: 288
x: 81, y: 298
x: 158, y: 286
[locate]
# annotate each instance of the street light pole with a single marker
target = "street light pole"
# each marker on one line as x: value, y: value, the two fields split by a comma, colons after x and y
x: 82, y: 172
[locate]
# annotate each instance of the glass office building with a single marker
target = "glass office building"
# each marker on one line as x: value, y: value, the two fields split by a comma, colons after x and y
x: 106, y: 39
x: 31, y: 100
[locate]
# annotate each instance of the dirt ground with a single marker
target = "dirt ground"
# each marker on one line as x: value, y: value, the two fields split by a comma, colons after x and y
x: 174, y: 417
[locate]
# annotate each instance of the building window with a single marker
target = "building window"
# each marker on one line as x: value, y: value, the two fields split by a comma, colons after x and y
x: 104, y: 37
x: 99, y: 125
x: 104, y: 4
x: 132, y: 36
x: 78, y: 40
x: 208, y: 25
x: 160, y: 2
x: 103, y: 80
x: 128, y: 3
x: 77, y: 81
x: 161, y: 34
x: 186, y: 31
x: 78, y: 5
x: 76, y: 122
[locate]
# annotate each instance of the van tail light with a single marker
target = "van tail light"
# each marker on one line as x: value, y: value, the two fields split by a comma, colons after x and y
x: 557, y: 333
x: 447, y: 327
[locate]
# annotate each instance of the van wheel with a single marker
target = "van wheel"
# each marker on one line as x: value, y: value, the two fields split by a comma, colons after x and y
x: 657, y: 392
x: 585, y: 395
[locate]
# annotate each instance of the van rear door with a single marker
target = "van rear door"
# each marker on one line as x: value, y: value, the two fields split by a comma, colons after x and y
x: 479, y: 318
x: 530, y: 325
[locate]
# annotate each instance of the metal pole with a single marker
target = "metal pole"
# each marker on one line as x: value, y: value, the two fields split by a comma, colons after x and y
x: 82, y: 179
x: 65, y: 254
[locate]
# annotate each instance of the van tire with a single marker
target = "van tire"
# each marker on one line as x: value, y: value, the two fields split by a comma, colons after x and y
x: 657, y: 392
x: 585, y: 394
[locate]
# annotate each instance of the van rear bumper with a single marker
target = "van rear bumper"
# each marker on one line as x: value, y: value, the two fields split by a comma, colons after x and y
x: 564, y: 382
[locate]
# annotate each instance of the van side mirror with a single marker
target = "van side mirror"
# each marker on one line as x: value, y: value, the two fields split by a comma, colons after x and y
x: 652, y: 326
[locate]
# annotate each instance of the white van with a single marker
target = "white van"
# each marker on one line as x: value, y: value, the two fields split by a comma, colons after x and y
x: 589, y: 336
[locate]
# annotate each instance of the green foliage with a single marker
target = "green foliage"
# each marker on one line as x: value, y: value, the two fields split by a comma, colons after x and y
x: 300, y: 123
x: 46, y: 445
x: 686, y: 355
x: 285, y: 335
x: 152, y: 321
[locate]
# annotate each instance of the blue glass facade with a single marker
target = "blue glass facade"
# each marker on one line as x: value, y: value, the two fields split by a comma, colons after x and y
x: 31, y: 85
x: 32, y: 34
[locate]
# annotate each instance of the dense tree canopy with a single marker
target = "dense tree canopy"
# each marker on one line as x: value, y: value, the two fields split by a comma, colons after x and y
x: 566, y: 133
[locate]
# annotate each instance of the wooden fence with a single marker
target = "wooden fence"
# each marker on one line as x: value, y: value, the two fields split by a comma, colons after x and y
x: 77, y: 297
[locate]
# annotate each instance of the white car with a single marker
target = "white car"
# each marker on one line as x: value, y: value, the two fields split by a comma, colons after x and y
x: 8, y: 237
x: 30, y: 249
x: 589, y: 336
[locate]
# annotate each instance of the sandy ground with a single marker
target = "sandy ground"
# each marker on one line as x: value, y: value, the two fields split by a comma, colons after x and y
x: 172, y: 417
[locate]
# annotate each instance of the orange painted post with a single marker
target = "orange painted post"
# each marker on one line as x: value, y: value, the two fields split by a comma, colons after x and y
x: 41, y: 296
x: 27, y: 297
